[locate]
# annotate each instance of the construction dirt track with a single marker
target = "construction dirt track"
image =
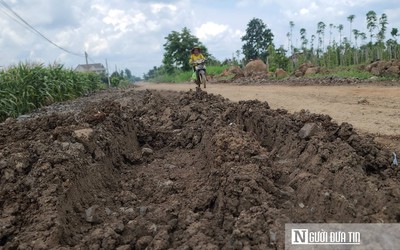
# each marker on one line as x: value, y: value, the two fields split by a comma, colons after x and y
x: 159, y: 169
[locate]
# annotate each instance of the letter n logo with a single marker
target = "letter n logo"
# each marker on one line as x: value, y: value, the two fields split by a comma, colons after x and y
x: 299, y: 236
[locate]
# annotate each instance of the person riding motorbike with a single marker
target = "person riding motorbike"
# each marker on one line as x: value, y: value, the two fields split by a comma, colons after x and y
x: 195, y: 54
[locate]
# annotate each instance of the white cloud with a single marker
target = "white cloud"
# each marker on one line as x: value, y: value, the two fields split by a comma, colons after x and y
x: 220, y: 39
x: 96, y: 44
x: 304, y: 11
x: 210, y: 30
x: 100, y: 9
x: 158, y: 7
x: 13, y: 36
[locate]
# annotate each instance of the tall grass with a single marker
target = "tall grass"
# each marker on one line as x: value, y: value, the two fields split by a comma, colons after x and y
x: 180, y: 76
x: 25, y: 87
x: 354, y: 71
x: 176, y: 77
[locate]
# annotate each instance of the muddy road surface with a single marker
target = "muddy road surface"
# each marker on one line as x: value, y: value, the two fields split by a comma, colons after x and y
x: 147, y: 169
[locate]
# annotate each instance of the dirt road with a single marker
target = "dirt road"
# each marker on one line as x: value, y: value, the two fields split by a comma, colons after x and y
x: 371, y: 109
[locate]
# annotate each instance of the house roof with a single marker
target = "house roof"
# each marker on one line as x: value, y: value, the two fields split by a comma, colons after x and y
x: 93, y: 66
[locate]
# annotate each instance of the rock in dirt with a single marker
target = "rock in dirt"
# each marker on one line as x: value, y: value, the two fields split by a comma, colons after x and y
x: 384, y: 68
x: 125, y: 247
x: 280, y: 73
x: 92, y: 214
x: 255, y: 67
x: 363, y: 101
x: 83, y: 133
x: 144, y: 242
x: 308, y: 130
x: 147, y: 151
x: 311, y: 71
x: 143, y: 210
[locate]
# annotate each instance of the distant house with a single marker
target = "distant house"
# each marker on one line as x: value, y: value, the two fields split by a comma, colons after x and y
x: 94, y: 67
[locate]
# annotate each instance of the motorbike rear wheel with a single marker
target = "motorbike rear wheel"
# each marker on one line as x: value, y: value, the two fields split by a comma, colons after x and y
x: 202, y: 78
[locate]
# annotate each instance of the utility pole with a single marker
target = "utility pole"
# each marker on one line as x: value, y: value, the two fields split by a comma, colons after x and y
x: 86, y: 57
x: 108, y: 74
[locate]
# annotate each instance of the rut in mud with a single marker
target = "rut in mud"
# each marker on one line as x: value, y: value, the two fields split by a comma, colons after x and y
x: 184, y: 171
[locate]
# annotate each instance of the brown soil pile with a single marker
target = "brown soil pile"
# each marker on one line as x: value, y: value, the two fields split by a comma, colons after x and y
x: 255, y: 73
x: 164, y: 170
x: 385, y: 68
x: 307, y: 81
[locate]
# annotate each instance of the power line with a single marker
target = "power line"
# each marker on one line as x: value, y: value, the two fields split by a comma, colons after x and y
x: 24, y: 23
x: 12, y: 17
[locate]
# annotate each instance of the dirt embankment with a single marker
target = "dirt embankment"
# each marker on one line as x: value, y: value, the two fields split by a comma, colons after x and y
x: 187, y: 170
x: 370, y: 109
x: 256, y: 73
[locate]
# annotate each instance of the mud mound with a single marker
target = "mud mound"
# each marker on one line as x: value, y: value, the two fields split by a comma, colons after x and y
x: 255, y: 67
x: 232, y: 70
x: 305, y: 81
x: 257, y: 75
x: 385, y: 68
x: 184, y: 171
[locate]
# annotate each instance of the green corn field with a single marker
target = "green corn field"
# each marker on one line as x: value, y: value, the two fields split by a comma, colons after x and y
x: 25, y: 87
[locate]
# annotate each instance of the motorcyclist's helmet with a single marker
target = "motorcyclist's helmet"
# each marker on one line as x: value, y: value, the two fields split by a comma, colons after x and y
x: 194, y: 48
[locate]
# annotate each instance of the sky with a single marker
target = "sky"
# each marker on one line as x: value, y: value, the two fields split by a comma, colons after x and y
x: 131, y: 33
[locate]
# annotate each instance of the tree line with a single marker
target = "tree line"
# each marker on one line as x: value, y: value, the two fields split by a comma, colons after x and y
x: 328, y: 46
x: 122, y: 77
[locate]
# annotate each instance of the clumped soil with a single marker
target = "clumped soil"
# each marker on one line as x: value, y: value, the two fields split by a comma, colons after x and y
x: 132, y: 169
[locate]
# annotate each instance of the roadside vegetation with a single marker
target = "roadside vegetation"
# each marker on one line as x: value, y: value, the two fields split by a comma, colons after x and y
x: 25, y: 87
x: 180, y: 76
x: 338, y: 48
x: 354, y: 71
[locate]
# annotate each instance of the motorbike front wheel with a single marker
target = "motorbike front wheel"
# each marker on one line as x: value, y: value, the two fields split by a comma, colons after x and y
x: 202, y: 78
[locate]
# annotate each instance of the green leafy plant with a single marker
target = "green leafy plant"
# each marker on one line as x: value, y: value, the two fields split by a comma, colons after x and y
x: 180, y: 76
x: 26, y: 86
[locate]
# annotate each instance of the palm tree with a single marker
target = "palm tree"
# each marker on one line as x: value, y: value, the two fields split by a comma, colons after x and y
x: 340, y: 28
x: 356, y: 35
x: 395, y: 34
x: 381, y: 35
x: 330, y: 33
x: 321, y: 34
x: 303, y: 38
x: 382, y: 22
x: 363, y: 37
x: 291, y: 24
x: 312, y: 47
x: 350, y: 19
x: 371, y: 23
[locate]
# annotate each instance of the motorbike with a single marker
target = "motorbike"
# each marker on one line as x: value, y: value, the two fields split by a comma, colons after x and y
x: 200, y: 67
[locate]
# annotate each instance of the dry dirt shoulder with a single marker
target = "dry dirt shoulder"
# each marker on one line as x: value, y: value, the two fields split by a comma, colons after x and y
x: 370, y: 109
